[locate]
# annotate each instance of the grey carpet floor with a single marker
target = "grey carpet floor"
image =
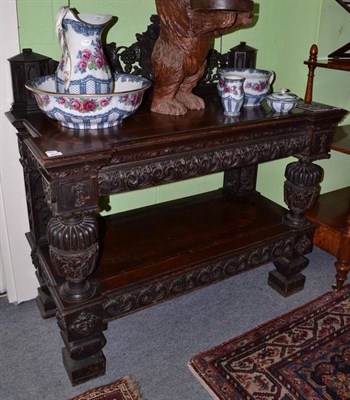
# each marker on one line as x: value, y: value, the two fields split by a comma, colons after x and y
x: 154, y: 345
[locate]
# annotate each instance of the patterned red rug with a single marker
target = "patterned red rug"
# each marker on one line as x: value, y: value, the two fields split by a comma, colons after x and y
x: 123, y: 389
x: 304, y: 354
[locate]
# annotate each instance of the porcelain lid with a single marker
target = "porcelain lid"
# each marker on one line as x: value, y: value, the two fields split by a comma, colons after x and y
x: 283, y: 95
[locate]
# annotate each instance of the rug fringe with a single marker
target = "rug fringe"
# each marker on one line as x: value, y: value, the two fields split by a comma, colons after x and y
x: 134, y: 386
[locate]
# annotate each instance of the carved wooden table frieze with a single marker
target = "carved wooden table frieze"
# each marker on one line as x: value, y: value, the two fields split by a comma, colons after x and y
x: 93, y: 269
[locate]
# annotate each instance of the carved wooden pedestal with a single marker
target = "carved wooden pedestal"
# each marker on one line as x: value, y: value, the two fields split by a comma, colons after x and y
x: 93, y: 269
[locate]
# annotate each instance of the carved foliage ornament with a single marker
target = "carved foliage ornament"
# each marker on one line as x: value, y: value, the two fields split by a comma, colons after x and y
x: 169, y: 288
x: 140, y: 155
x: 117, y: 180
x: 74, y: 267
x: 301, y: 189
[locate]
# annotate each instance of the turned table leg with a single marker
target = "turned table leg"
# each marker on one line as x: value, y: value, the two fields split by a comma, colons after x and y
x: 301, y: 190
x: 342, y: 264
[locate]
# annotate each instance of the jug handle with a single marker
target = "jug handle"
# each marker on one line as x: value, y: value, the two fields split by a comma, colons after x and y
x: 272, y: 77
x: 62, y: 42
x: 58, y: 24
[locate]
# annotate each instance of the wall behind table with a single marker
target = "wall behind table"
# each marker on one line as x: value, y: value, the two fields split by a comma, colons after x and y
x: 36, y: 21
x: 283, y: 34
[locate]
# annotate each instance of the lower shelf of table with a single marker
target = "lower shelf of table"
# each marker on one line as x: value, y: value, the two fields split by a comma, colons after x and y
x: 158, y: 252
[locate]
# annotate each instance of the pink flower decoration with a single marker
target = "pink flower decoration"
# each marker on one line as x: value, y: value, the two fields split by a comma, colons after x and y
x: 104, y: 102
x: 99, y: 61
x: 89, y: 105
x: 75, y: 104
x: 86, y: 54
x: 61, y: 100
x: 82, y: 65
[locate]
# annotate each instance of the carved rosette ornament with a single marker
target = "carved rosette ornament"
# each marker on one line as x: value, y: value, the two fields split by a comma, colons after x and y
x: 301, y: 189
x: 85, y: 324
x: 74, y: 252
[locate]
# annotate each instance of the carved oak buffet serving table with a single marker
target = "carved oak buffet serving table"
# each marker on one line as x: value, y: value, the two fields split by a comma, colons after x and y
x: 94, y: 269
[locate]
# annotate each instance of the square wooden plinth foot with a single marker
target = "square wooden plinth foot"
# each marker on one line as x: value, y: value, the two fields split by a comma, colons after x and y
x: 284, y: 286
x: 80, y: 371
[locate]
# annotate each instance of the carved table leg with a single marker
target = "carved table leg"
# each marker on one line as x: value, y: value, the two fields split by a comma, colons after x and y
x: 73, y: 252
x: 82, y: 334
x: 301, y: 190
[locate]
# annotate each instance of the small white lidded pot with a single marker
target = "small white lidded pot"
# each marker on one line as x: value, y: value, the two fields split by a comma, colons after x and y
x: 282, y: 102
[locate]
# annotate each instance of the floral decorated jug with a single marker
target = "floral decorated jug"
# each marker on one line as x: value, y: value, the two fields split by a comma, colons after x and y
x: 83, y: 68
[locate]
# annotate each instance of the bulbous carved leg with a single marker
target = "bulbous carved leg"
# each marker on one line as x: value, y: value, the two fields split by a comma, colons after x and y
x: 81, y: 331
x: 74, y: 252
x: 301, y: 190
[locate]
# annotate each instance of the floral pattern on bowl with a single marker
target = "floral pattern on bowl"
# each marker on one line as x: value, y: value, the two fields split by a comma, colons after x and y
x: 256, y: 85
x: 90, y: 111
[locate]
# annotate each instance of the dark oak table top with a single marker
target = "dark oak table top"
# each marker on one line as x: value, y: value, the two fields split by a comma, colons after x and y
x: 146, y: 129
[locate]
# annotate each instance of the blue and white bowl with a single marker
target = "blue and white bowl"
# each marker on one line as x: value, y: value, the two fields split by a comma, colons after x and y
x: 256, y: 86
x: 282, y: 102
x: 90, y: 111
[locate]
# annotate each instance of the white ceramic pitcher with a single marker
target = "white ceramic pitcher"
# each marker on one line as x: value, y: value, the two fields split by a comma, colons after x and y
x: 83, y: 67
